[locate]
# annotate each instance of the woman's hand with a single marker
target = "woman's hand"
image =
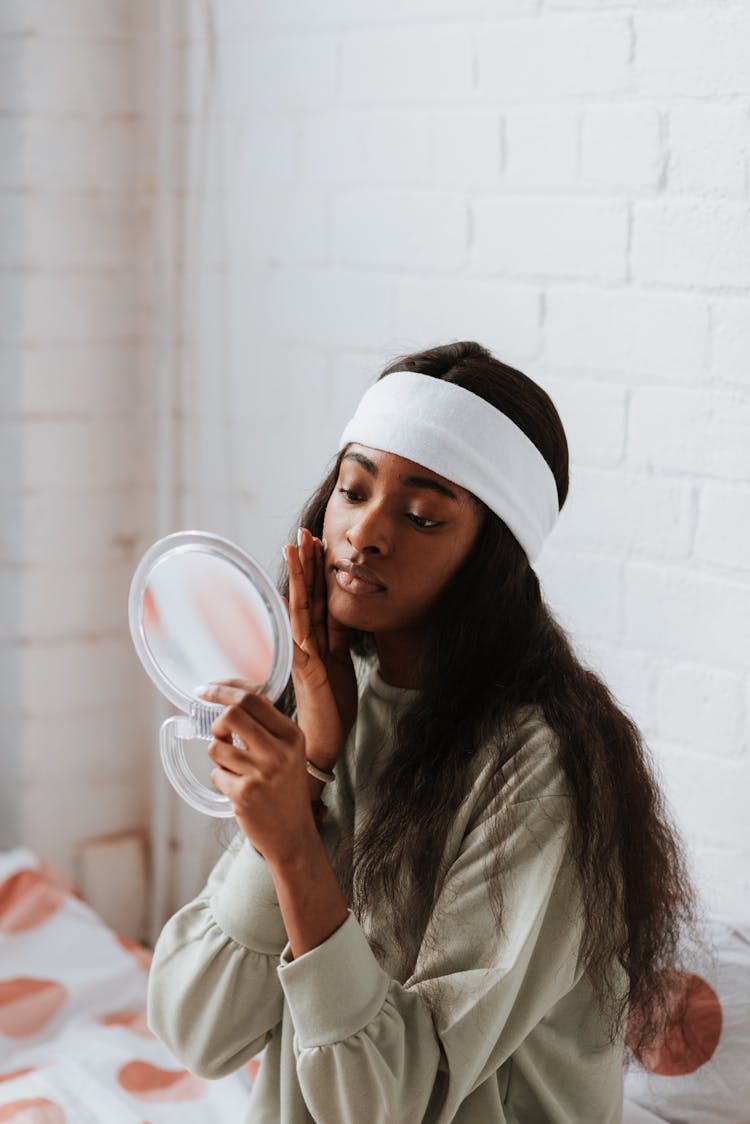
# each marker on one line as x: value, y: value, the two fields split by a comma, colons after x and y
x: 325, y: 682
x: 266, y: 781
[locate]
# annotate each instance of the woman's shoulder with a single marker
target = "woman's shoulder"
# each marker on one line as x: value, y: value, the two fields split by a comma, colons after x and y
x: 538, y: 754
x: 529, y: 756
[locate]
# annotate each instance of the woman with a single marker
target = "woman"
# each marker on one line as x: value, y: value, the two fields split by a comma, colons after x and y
x: 458, y: 932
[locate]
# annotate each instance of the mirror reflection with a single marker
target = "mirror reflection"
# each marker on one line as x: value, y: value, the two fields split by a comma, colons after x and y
x: 202, y: 619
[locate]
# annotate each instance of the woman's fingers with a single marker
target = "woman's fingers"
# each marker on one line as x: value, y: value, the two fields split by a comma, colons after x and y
x: 319, y: 600
x: 297, y: 652
x: 242, y: 761
x: 299, y: 601
x: 228, y: 691
x: 229, y: 756
x: 307, y: 560
x: 239, y: 694
x: 307, y: 557
x: 310, y: 552
x: 254, y: 725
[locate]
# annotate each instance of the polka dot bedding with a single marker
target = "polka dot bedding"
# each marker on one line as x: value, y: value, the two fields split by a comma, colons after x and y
x: 698, y: 1073
x: 75, y: 1047
x: 74, y: 1044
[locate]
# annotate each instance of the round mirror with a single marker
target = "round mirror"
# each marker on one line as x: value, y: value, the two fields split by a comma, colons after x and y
x: 201, y: 609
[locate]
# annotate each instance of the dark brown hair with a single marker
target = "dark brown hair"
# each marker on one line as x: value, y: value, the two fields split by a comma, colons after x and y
x: 628, y: 854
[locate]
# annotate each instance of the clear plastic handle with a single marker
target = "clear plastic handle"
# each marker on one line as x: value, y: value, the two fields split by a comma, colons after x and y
x: 172, y: 736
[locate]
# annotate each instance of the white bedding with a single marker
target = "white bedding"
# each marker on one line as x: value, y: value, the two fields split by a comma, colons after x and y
x: 634, y: 1114
x: 74, y: 1045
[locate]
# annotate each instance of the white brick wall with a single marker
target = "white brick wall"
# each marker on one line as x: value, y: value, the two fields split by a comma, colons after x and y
x: 538, y: 237
x: 730, y: 340
x: 75, y: 423
x: 566, y: 181
x: 702, y: 53
x: 621, y: 147
x: 708, y: 149
x: 542, y: 148
x: 691, y: 243
x: 406, y: 66
x: 400, y: 230
x: 554, y: 58
x: 641, y: 336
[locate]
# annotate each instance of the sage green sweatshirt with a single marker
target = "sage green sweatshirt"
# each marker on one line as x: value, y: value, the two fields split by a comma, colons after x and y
x: 513, y: 1036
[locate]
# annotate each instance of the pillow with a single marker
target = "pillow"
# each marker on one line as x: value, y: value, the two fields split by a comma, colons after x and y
x: 700, y: 1072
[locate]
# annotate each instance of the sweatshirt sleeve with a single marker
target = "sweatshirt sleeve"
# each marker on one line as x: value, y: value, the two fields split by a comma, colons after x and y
x: 369, y: 1048
x: 213, y: 991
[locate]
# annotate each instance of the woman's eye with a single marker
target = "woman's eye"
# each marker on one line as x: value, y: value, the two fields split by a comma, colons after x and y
x: 418, y: 520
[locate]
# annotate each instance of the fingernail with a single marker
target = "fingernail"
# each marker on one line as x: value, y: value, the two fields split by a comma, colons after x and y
x: 299, y: 536
x: 283, y: 553
x: 325, y: 544
x: 202, y: 689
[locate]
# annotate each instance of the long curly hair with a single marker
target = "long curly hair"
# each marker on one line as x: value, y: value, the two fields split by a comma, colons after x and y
x: 629, y: 856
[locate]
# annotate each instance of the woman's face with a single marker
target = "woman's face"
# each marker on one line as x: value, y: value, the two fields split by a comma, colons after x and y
x: 409, y: 526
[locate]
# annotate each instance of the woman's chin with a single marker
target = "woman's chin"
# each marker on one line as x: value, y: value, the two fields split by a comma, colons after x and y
x: 354, y: 612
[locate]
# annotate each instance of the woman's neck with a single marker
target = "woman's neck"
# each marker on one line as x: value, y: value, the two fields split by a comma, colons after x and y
x: 399, y: 657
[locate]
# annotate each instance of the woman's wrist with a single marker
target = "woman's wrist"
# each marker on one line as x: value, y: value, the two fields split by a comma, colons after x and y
x: 311, y: 902
x: 316, y: 786
x: 324, y: 775
x: 321, y: 760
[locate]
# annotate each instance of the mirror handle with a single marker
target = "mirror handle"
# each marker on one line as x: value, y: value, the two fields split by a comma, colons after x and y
x: 174, y: 733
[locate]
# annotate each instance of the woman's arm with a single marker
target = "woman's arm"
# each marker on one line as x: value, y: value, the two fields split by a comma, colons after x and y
x: 309, y: 897
x: 214, y: 994
x: 213, y: 990
x: 369, y: 1048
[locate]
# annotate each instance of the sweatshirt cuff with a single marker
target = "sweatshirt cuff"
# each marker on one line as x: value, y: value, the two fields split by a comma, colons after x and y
x: 246, y: 907
x: 334, y: 990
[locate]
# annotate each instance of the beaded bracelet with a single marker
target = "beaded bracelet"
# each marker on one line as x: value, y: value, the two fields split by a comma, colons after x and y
x: 319, y: 774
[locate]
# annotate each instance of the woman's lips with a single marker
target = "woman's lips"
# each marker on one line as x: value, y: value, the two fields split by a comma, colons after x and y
x: 356, y: 585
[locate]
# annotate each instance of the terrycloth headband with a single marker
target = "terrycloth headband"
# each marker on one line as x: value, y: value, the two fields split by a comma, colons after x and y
x: 460, y: 436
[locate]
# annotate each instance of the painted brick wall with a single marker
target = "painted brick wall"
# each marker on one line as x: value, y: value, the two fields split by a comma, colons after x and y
x: 75, y: 421
x: 564, y: 180
x: 567, y: 182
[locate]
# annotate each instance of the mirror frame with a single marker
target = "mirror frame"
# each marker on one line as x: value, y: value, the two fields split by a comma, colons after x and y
x: 178, y: 543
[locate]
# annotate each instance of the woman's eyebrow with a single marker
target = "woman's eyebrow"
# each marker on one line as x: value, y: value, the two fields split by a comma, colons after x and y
x: 409, y: 481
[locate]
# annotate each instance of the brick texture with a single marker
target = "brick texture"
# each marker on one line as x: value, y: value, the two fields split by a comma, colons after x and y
x: 565, y: 180
x: 76, y: 420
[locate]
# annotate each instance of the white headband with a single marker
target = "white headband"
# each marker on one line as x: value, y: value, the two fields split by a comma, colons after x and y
x: 460, y: 436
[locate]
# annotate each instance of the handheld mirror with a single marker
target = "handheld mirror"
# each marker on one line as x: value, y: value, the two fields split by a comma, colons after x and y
x: 201, y: 609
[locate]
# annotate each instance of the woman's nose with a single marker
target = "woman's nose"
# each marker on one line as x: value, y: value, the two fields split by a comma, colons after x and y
x: 369, y: 534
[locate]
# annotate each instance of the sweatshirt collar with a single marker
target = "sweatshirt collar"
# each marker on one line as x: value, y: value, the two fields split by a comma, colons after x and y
x: 389, y: 691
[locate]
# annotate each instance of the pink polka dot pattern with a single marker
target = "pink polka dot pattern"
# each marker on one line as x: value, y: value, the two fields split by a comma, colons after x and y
x: 55, y: 878
x: 35, y: 1110
x: 28, y: 1004
x: 28, y: 900
x: 45, y: 990
x: 693, y: 1033
x: 134, y: 1021
x: 150, y: 1083
x: 144, y: 956
x: 18, y: 1073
